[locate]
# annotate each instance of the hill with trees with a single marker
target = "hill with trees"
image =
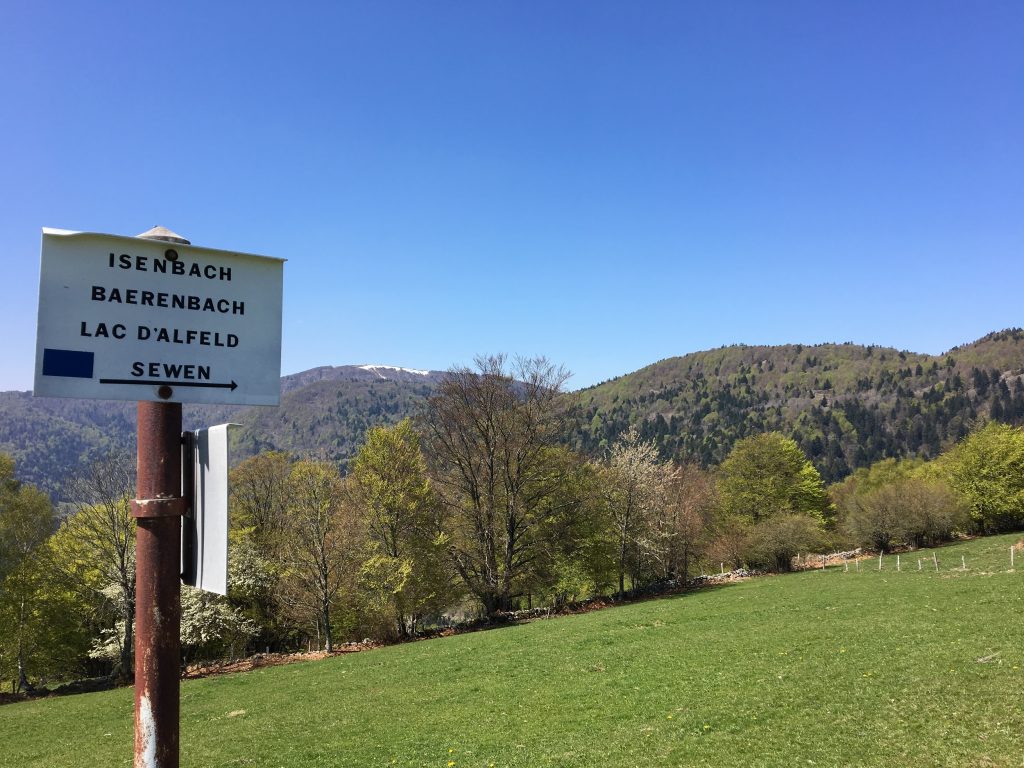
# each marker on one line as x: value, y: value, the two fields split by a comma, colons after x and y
x: 846, y: 405
x: 324, y: 412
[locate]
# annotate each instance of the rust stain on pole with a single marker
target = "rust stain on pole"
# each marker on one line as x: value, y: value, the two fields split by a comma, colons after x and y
x: 157, y: 585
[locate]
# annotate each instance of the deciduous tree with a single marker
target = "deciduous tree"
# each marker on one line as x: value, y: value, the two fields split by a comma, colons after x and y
x: 987, y: 468
x: 573, y: 542
x: 765, y: 485
x: 322, y: 543
x: 683, y: 520
x: 768, y: 474
x: 635, y: 484
x: 26, y: 518
x: 96, y: 544
x: 899, y: 503
x: 259, y: 497
x: 406, y: 568
x: 41, y: 628
x: 33, y: 614
x: 487, y: 433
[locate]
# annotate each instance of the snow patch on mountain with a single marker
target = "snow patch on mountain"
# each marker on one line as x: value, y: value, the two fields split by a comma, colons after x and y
x: 378, y: 368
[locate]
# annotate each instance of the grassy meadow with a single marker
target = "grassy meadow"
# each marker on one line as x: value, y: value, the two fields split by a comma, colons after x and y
x: 827, y: 668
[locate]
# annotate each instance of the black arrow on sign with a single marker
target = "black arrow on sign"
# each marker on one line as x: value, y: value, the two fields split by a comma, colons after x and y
x: 232, y: 386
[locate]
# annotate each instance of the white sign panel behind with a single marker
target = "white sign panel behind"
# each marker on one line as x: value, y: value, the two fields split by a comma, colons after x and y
x: 124, y: 318
x: 204, y: 531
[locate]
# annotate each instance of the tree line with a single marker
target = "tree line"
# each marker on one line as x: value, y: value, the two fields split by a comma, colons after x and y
x: 474, y: 508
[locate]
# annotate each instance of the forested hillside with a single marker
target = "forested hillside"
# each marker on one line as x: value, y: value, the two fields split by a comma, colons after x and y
x: 846, y: 405
x: 328, y: 418
x: 324, y: 412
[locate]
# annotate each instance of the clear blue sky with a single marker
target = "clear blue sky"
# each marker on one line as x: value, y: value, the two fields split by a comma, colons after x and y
x: 607, y: 184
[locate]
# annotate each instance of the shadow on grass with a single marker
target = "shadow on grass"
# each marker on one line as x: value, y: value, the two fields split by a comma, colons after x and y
x: 86, y: 685
x: 518, y: 618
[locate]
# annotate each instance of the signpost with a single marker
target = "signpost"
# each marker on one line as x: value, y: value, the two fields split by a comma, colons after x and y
x: 126, y: 318
x: 157, y: 510
x: 159, y: 321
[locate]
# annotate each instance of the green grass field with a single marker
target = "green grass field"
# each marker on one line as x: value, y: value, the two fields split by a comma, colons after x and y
x: 817, y: 668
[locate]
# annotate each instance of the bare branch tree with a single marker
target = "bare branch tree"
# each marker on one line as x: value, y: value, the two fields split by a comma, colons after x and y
x: 682, y: 520
x: 321, y: 541
x: 487, y: 431
x: 259, y: 496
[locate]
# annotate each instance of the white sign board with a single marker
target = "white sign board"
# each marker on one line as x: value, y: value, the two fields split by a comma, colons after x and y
x: 125, y: 318
x: 204, y: 531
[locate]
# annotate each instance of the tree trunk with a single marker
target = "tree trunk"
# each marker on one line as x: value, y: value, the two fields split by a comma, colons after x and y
x: 635, y: 576
x: 492, y: 604
x: 328, y: 639
x: 504, y: 598
x: 23, y: 683
x: 400, y: 617
x: 622, y: 567
x: 124, y: 674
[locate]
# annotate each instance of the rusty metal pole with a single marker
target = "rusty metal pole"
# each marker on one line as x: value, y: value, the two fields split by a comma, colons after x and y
x: 157, y: 510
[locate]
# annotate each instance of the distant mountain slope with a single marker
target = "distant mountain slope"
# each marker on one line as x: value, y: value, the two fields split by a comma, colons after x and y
x: 324, y: 412
x: 846, y: 404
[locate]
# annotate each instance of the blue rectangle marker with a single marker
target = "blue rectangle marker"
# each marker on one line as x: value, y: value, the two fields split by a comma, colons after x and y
x: 67, y: 362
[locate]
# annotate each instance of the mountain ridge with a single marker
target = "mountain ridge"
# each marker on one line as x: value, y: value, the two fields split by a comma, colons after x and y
x: 833, y: 398
x: 846, y: 404
x: 356, y: 373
